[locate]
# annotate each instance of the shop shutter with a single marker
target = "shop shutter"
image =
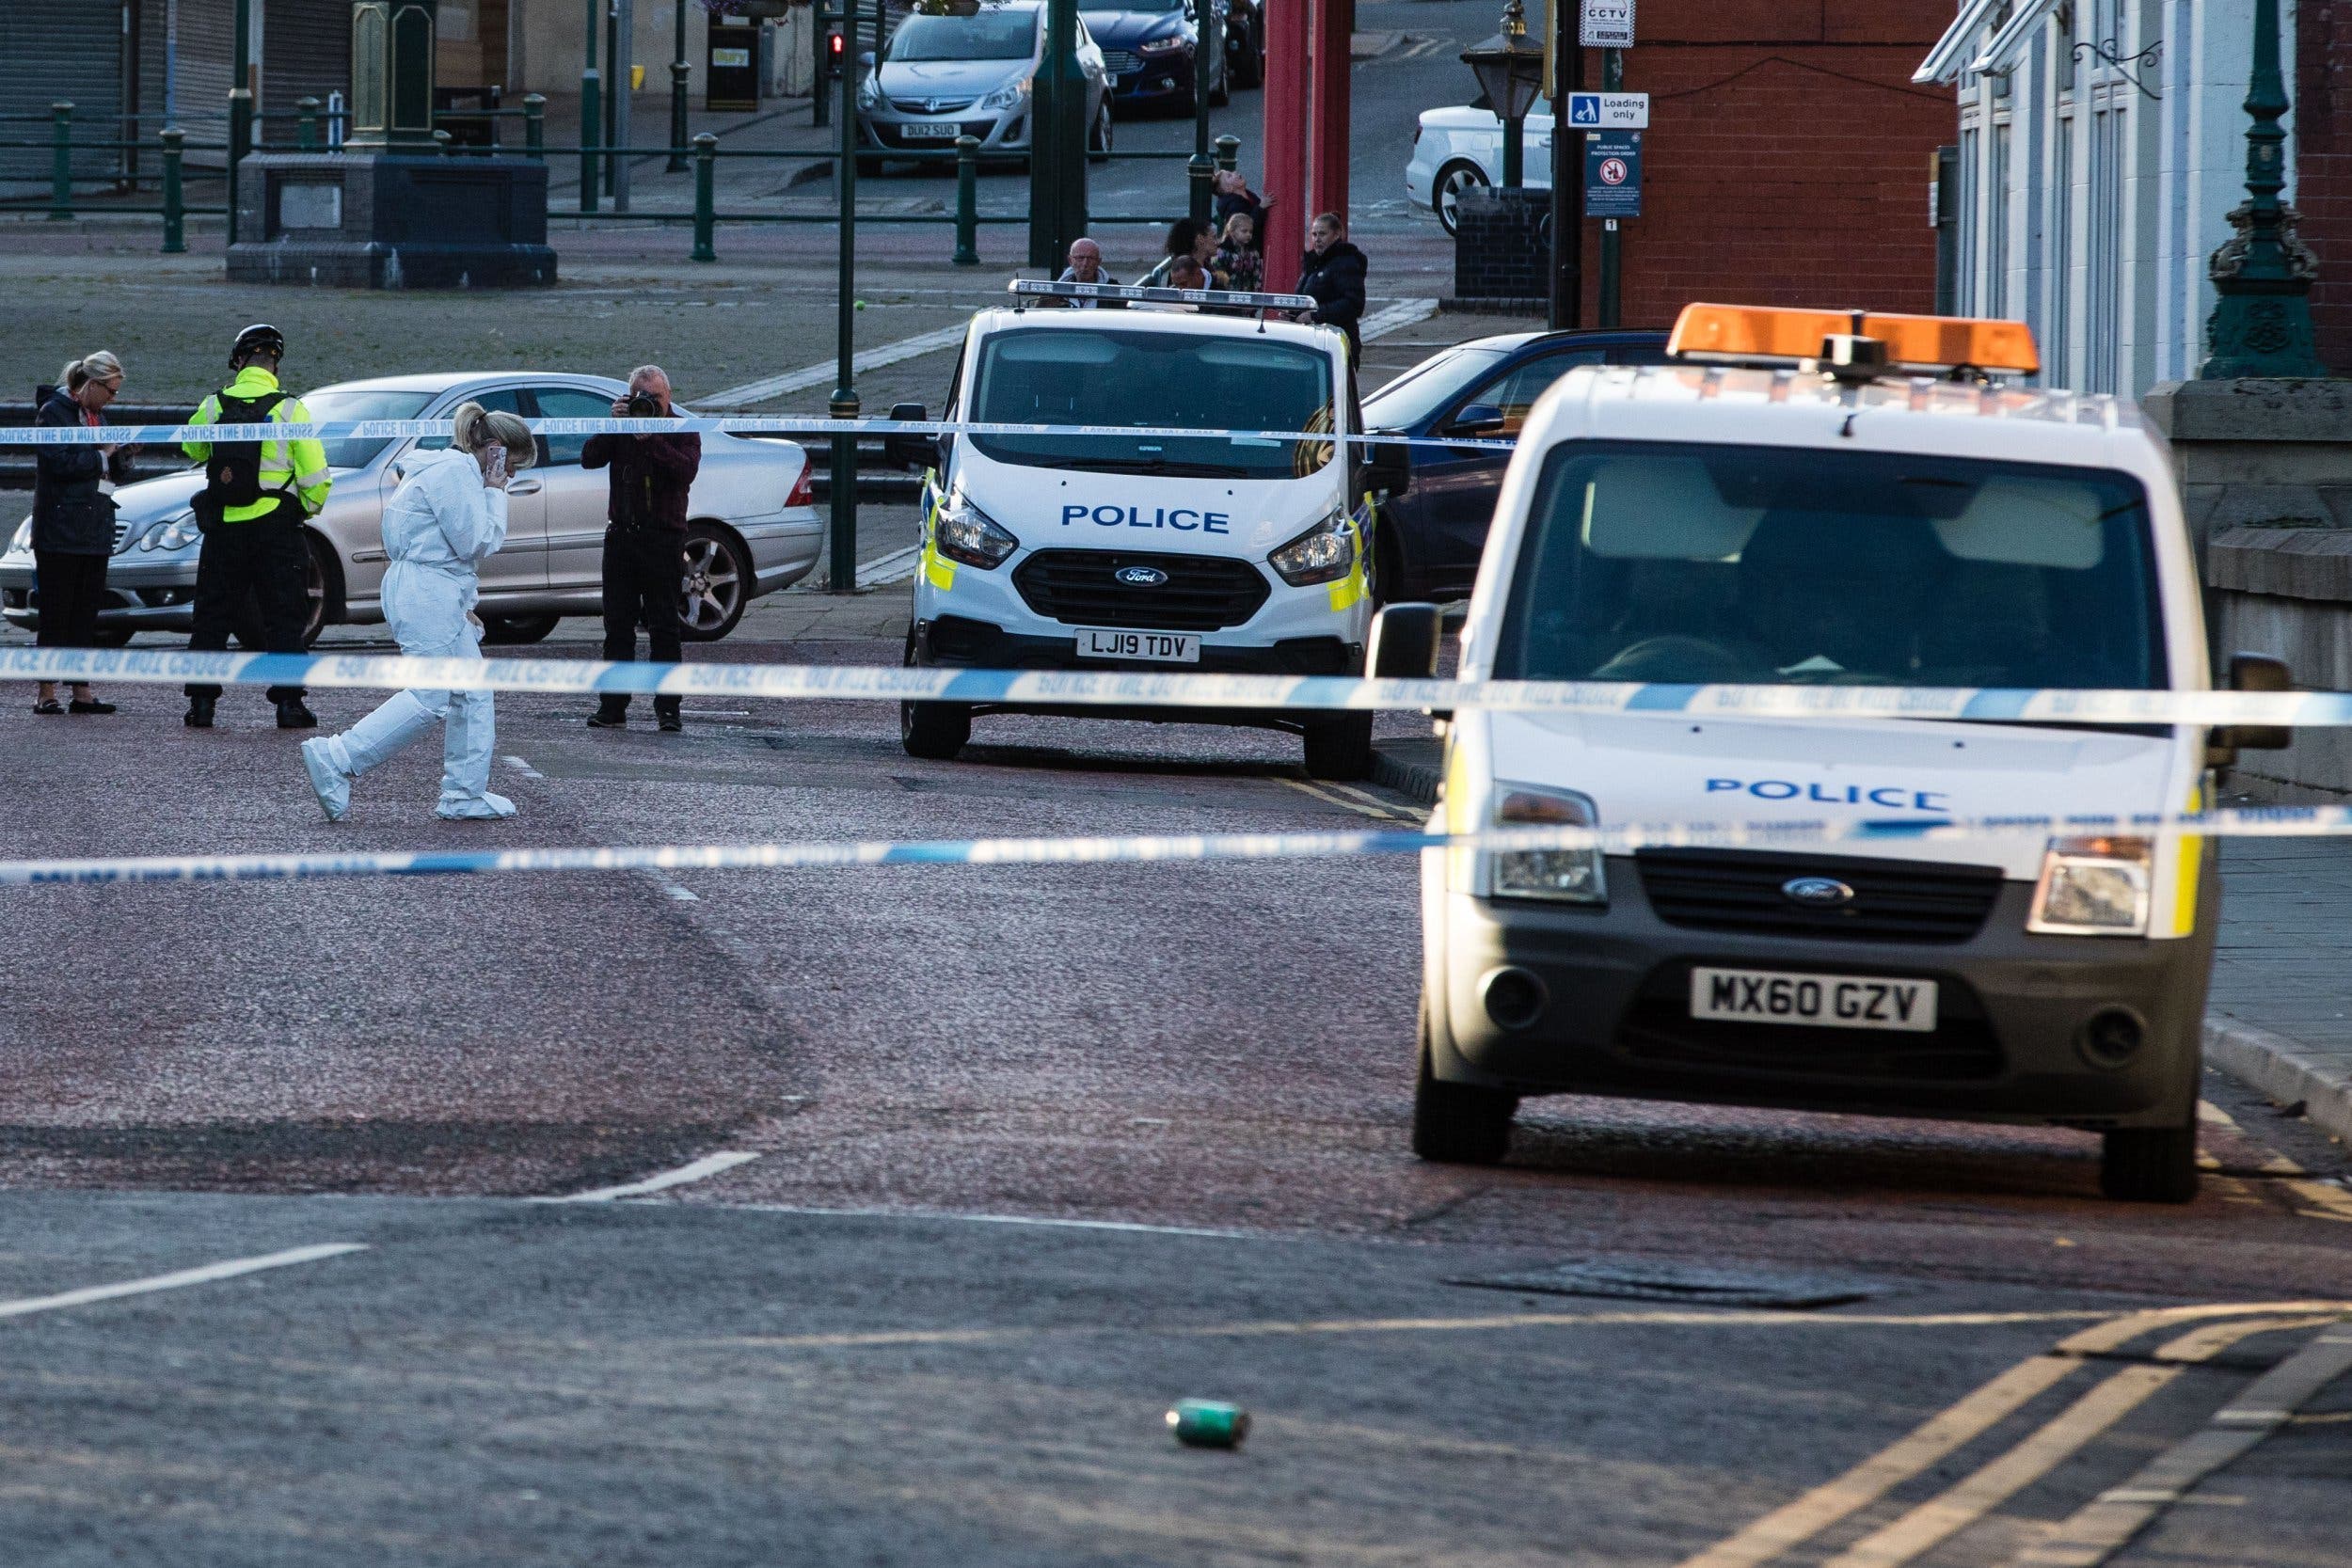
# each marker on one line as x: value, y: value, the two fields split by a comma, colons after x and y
x: 68, y: 50
x: 306, y: 53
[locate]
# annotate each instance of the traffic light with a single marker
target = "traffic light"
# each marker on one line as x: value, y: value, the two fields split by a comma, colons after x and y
x: 835, y: 45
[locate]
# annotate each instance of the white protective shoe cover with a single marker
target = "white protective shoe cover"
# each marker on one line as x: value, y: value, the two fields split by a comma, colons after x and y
x: 487, y: 807
x: 330, y: 784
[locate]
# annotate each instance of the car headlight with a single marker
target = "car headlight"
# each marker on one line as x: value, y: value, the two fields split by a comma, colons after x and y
x: 2093, y: 887
x: 1167, y: 45
x: 1011, y: 96
x: 1563, y: 876
x: 22, y: 540
x: 1325, y: 553
x: 172, y: 533
x: 966, y: 533
x: 869, y: 92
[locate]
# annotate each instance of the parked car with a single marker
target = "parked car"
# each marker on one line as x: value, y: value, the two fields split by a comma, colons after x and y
x: 941, y: 77
x: 1456, y: 150
x: 752, y: 529
x: 1427, y: 545
x: 1152, y: 47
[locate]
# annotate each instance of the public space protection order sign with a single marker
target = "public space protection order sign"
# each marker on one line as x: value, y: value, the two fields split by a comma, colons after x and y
x: 1606, y: 24
x: 1613, y: 174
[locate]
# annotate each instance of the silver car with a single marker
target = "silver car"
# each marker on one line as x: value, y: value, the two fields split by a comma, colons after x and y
x: 751, y: 525
x: 949, y: 76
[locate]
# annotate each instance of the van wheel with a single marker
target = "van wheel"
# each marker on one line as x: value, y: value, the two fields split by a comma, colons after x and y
x: 1339, y: 748
x: 934, y: 731
x: 1458, y: 1124
x: 2149, y: 1164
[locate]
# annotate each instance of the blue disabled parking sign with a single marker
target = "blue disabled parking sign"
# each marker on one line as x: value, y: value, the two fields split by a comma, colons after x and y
x: 1613, y: 174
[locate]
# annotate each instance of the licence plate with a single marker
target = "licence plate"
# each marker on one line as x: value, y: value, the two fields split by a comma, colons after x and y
x: 1165, y: 647
x: 1823, y: 1000
x: 931, y: 130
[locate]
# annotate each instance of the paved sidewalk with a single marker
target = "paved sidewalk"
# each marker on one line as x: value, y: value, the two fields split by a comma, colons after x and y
x: 2280, y: 1015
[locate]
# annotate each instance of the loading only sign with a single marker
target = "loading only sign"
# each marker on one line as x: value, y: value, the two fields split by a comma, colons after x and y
x: 1613, y: 174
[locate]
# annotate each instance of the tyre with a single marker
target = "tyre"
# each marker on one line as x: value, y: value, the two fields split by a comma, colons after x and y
x: 1099, y: 139
x: 934, y: 731
x: 1458, y: 1124
x: 2149, y: 1164
x: 112, y: 637
x: 1453, y: 180
x: 717, y: 586
x: 1220, y: 83
x: 1340, y: 747
x: 514, y: 629
x: 1249, y: 58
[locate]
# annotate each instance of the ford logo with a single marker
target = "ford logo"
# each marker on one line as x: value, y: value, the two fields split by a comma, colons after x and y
x: 1140, y: 577
x: 1817, y: 892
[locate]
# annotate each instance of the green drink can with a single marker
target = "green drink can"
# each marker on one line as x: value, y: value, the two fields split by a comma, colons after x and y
x: 1208, y: 1424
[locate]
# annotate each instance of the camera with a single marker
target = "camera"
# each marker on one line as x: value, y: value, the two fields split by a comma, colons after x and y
x: 643, y: 405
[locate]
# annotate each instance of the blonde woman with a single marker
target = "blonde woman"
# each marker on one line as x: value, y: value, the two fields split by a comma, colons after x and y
x: 448, y: 516
x: 73, y: 519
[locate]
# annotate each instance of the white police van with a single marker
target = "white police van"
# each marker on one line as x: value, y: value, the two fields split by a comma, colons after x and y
x: 1813, y: 498
x: 1099, y: 549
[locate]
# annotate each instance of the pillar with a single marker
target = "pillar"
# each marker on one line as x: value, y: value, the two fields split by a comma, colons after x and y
x: 1284, y: 186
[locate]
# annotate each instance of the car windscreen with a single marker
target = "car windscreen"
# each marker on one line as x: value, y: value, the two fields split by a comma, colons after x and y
x: 989, y: 35
x: 362, y: 404
x: 1427, y: 387
x: 1154, y: 380
x: 1760, y: 565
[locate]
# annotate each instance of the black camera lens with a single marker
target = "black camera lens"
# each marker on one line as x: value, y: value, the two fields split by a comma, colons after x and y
x: 643, y: 405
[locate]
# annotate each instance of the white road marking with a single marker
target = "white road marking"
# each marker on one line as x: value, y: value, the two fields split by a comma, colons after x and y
x: 204, y: 1275
x: 820, y: 376
x: 708, y: 1165
x: 681, y: 895
x: 1356, y: 800
x: 1403, y: 313
x: 524, y: 769
x: 897, y: 566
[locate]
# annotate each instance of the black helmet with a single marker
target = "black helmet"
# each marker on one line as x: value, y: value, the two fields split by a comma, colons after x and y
x: 261, y: 338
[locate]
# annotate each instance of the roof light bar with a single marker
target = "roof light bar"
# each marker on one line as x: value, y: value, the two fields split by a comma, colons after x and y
x: 1751, y: 333
x: 1035, y: 288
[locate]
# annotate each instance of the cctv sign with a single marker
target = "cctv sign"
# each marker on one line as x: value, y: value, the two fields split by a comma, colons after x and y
x: 1606, y: 24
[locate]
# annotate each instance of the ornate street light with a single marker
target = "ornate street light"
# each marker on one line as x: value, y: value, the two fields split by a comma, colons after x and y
x: 2261, y: 322
x: 1510, y: 72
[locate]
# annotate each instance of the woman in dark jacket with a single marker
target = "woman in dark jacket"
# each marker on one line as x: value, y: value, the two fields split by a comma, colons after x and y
x: 1333, y: 275
x: 73, y: 520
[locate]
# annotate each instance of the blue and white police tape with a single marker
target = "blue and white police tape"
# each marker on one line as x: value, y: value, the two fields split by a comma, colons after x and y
x: 807, y: 854
x: 701, y: 424
x: 1136, y: 688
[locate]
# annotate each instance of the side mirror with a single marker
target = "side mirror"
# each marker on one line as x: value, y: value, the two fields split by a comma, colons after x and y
x: 2251, y: 673
x: 907, y: 449
x: 865, y: 59
x: 1476, y: 418
x: 1387, y: 465
x: 1403, y: 642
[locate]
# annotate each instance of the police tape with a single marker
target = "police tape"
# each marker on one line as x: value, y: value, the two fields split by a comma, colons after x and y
x: 816, y: 854
x: 1051, y: 689
x: 701, y: 424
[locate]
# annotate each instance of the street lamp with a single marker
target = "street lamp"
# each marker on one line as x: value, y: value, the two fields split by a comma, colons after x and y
x: 2262, y: 321
x: 1510, y: 72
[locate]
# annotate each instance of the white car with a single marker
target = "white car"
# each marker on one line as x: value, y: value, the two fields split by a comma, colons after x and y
x: 1460, y: 149
x: 751, y: 525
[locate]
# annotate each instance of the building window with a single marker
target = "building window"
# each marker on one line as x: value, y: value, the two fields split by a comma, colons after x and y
x: 2107, y: 287
x: 1997, y: 220
x: 1970, y: 181
x: 2057, y: 369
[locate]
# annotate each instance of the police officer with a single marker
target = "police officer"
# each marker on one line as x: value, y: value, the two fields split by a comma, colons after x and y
x: 255, y: 497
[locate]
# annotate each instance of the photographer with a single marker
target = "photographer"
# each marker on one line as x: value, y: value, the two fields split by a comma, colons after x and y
x: 644, y: 546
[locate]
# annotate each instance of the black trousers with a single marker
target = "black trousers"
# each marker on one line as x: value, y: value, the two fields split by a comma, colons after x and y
x: 70, y: 587
x: 261, y: 561
x: 645, y: 573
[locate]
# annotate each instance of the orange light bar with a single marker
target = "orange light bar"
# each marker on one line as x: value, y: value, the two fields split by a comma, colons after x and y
x: 1913, y: 343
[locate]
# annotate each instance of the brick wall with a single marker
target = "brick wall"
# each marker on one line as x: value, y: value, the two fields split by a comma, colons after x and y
x: 1787, y: 157
x: 2322, y: 167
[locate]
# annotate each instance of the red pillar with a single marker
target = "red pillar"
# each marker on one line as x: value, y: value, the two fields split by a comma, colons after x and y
x: 1284, y: 187
x: 1334, y: 35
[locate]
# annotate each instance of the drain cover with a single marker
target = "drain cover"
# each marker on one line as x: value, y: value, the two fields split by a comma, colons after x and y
x: 1656, y: 1280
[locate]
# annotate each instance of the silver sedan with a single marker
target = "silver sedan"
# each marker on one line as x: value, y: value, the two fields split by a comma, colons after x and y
x: 751, y: 530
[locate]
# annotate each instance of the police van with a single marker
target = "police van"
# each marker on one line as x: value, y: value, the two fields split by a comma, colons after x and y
x: 1094, y: 548
x: 1811, y: 498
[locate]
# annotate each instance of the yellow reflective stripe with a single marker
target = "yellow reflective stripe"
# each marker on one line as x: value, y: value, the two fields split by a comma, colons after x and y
x: 316, y: 477
x: 2186, y: 872
x: 1349, y: 591
x: 937, y: 570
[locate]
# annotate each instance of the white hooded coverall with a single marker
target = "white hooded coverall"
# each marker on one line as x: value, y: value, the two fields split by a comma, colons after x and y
x: 438, y: 527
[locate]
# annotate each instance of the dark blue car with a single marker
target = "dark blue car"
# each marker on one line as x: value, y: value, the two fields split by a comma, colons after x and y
x: 1428, y: 542
x: 1151, y: 47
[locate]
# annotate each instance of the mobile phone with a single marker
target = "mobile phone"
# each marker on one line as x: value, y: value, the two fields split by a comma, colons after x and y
x: 498, y: 466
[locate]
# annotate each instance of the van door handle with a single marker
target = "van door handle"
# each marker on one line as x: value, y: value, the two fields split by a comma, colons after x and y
x: 522, y: 487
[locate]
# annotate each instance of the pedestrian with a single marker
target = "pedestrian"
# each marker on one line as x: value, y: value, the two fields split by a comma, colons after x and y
x: 448, y: 516
x: 1239, y: 265
x: 73, y: 519
x: 1332, y: 273
x: 1185, y: 238
x: 645, y: 546
x: 1233, y: 195
x: 255, y: 497
x: 1086, y: 263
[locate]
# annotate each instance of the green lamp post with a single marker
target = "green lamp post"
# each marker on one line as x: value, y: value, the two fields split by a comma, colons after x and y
x: 2261, y: 322
x: 1510, y: 72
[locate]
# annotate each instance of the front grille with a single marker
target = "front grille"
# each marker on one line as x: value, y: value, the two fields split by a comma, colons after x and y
x: 1202, y: 593
x: 1119, y: 62
x: 1658, y: 1028
x: 1715, y: 890
x: 925, y: 106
